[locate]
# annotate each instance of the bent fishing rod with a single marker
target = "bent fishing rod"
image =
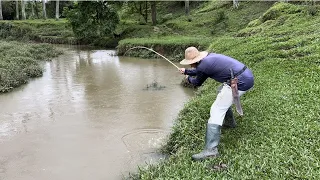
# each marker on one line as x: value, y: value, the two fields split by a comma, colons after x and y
x: 142, y: 47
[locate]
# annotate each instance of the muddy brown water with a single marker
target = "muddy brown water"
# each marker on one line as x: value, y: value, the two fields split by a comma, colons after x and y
x: 88, y: 117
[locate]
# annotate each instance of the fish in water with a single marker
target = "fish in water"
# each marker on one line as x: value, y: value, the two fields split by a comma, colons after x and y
x: 154, y: 86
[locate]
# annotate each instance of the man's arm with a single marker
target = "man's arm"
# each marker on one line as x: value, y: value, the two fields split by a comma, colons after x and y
x: 199, y: 79
x: 191, y: 72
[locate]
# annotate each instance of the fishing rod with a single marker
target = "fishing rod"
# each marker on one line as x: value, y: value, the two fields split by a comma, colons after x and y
x: 142, y: 47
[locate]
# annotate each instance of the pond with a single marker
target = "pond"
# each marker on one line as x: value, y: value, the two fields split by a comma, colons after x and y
x: 93, y: 115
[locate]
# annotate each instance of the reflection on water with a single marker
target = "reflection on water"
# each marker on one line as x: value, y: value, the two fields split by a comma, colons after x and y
x: 88, y: 117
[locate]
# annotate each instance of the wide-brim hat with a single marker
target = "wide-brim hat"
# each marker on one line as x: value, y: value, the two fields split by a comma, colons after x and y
x: 193, y: 55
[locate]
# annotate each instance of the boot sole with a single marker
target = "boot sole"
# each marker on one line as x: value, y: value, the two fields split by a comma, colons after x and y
x: 207, y: 157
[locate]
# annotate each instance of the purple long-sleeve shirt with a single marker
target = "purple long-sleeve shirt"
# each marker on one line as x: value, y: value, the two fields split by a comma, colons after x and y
x: 217, y: 67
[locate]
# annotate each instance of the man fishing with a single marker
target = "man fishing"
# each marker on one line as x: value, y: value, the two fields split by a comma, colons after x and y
x: 237, y: 79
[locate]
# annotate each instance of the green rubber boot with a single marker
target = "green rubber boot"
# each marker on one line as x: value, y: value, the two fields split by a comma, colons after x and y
x: 211, y: 142
x: 229, y: 121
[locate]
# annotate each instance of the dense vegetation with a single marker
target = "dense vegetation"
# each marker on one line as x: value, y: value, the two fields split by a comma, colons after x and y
x: 20, y: 61
x: 205, y: 23
x: 278, y: 136
x: 93, y: 22
x: 48, y: 31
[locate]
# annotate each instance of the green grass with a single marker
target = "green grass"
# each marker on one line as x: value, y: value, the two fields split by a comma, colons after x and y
x: 170, y: 46
x: 20, y: 61
x: 218, y: 18
x: 210, y: 19
x: 173, y: 36
x: 278, y: 137
x: 49, y: 31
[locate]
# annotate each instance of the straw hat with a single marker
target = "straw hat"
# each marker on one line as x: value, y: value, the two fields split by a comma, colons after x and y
x: 192, y: 55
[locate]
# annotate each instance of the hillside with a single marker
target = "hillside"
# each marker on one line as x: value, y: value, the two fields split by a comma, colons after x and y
x: 47, y: 31
x: 278, y: 136
x: 208, y: 21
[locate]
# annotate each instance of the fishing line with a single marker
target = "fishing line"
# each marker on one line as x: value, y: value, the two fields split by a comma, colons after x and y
x: 142, y: 47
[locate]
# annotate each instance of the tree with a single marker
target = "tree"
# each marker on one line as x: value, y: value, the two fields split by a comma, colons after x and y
x: 154, y: 12
x: 57, y: 10
x: 187, y: 9
x: 44, y: 12
x: 139, y: 7
x: 32, y: 8
x: 17, y: 9
x: 92, y: 20
x: 1, y: 17
x: 235, y: 3
x: 23, y: 10
x: 36, y: 10
x: 146, y: 11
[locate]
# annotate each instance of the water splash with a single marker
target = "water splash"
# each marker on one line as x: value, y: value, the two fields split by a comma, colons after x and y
x: 154, y: 86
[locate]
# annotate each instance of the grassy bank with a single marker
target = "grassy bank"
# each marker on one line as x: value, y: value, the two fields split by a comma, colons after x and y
x: 278, y: 136
x: 172, y: 34
x: 20, y: 61
x: 171, y: 47
x: 204, y: 25
x: 47, y: 31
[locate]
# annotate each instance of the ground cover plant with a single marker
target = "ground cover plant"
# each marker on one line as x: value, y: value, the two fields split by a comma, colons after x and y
x: 278, y: 136
x: 204, y: 25
x: 48, y: 31
x: 171, y: 46
x: 207, y: 20
x: 21, y: 61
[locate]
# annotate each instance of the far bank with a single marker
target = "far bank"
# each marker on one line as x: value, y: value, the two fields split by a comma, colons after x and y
x: 21, y: 61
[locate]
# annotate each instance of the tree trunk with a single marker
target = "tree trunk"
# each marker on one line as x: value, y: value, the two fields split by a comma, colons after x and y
x: 187, y: 8
x: 44, y: 13
x: 235, y: 3
x: 36, y: 9
x: 32, y: 8
x: 1, y: 17
x: 146, y: 12
x: 154, y: 12
x: 57, y: 10
x: 23, y: 10
x: 17, y: 9
x: 140, y: 10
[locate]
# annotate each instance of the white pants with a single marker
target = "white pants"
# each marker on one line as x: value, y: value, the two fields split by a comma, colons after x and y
x: 222, y: 103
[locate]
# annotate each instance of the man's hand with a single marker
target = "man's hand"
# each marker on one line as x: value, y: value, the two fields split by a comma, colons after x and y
x: 182, y: 70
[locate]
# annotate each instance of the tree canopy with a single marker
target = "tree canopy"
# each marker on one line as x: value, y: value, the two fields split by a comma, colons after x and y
x: 92, y: 19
